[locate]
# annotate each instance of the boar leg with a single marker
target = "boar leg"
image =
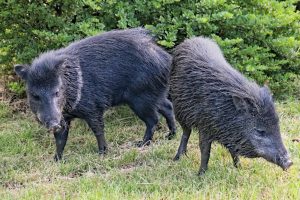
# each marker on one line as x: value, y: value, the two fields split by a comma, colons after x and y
x: 205, y: 146
x: 166, y: 109
x: 149, y: 115
x: 61, y: 138
x: 150, y: 122
x: 147, y: 112
x: 183, y: 143
x: 97, y: 127
x: 235, y: 158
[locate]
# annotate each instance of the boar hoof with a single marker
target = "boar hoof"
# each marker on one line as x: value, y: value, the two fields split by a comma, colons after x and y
x: 201, y: 172
x: 103, y: 151
x: 177, y: 157
x: 143, y: 143
x: 57, y: 157
x: 237, y: 165
x: 170, y: 136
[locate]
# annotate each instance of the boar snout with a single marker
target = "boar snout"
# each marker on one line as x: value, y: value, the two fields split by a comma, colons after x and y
x: 54, y: 125
x: 285, y: 162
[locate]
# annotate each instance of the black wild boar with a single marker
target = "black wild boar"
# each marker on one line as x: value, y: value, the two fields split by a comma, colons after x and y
x: 91, y: 75
x: 211, y: 96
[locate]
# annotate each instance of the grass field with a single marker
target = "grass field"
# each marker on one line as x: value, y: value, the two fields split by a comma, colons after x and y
x: 27, y: 169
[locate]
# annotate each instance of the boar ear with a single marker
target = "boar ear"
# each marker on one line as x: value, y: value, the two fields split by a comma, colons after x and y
x: 21, y: 71
x: 61, y: 62
x: 266, y: 89
x: 266, y: 93
x: 240, y: 103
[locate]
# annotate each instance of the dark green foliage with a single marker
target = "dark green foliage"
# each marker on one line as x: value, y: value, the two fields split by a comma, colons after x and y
x: 261, y: 37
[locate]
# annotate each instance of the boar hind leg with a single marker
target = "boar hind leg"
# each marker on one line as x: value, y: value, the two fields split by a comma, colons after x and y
x: 166, y: 109
x: 149, y: 115
x: 150, y: 121
x: 61, y: 138
x: 183, y: 143
x: 205, y: 146
x: 97, y: 126
x: 235, y: 158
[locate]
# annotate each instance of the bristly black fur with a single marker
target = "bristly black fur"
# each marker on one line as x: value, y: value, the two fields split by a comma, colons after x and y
x: 91, y: 75
x: 210, y: 95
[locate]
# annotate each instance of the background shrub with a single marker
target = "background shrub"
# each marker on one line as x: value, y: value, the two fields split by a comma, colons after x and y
x: 261, y: 38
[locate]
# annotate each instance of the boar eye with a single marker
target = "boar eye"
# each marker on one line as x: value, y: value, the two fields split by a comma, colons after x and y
x: 261, y: 132
x: 35, y: 97
x: 57, y: 94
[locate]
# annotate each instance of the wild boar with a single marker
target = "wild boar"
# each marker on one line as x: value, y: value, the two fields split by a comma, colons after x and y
x: 217, y: 100
x: 91, y: 75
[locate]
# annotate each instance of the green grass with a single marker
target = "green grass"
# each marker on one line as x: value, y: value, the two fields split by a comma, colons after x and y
x: 27, y: 169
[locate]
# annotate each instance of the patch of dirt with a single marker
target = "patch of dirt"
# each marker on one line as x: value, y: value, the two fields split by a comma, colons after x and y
x: 13, y: 185
x: 19, y: 105
x: 16, y: 103
x: 128, y: 168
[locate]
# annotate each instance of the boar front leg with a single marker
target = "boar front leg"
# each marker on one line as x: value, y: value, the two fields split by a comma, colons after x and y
x: 61, y: 138
x: 97, y: 126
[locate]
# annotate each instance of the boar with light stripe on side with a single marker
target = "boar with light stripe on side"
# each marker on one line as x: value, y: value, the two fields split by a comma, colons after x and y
x: 91, y: 75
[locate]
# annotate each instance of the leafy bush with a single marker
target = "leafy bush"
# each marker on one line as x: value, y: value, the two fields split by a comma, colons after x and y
x: 261, y: 38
